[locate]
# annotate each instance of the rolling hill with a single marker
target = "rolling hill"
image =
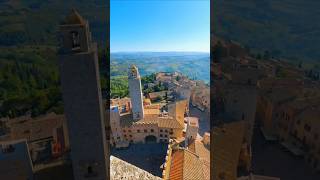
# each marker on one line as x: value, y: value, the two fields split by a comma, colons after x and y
x: 286, y: 28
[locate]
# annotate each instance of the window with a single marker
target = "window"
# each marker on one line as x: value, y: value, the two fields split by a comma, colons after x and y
x: 152, y: 130
x: 166, y: 131
x: 130, y: 135
x: 171, y: 133
x: 161, y: 130
x: 124, y: 130
x: 125, y: 135
x: 75, y: 39
x: 131, y: 141
x: 118, y: 137
x: 161, y: 135
x: 129, y: 131
x: 165, y: 135
x: 138, y: 131
x: 145, y: 130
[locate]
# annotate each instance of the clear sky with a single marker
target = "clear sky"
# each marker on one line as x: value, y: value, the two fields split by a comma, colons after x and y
x: 159, y: 25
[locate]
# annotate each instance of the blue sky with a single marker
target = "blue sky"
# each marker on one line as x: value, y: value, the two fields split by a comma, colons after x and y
x: 159, y: 25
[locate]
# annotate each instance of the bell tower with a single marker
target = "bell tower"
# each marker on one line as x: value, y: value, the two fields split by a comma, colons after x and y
x: 135, y: 91
x: 80, y: 81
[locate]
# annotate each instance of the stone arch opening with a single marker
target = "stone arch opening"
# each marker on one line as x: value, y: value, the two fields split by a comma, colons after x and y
x: 150, y: 139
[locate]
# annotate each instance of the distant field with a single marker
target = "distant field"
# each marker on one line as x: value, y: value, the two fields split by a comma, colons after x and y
x: 36, y: 21
x: 286, y: 28
x: 194, y: 65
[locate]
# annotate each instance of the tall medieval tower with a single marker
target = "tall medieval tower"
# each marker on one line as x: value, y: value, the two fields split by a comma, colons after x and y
x: 135, y: 91
x: 83, y: 106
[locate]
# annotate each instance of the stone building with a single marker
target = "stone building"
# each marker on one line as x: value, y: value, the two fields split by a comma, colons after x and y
x: 274, y: 93
x: 299, y: 128
x: 46, y: 135
x: 192, y: 129
x: 83, y: 107
x: 150, y: 124
x: 200, y: 98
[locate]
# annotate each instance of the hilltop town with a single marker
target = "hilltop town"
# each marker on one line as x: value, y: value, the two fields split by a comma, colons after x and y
x: 39, y: 147
x: 163, y: 117
x: 263, y: 108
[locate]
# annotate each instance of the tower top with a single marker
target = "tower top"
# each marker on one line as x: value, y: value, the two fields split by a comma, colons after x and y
x: 75, y: 34
x: 133, y: 72
x: 73, y: 18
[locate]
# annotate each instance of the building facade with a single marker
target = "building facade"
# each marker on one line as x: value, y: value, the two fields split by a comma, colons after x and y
x: 135, y: 120
x: 83, y: 106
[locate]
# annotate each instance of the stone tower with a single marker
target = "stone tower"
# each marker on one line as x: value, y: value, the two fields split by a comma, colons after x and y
x: 192, y: 129
x: 135, y: 91
x: 83, y: 106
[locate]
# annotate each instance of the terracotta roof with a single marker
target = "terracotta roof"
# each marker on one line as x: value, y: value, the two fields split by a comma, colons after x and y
x: 188, y: 166
x: 35, y: 129
x: 176, y: 169
x: 163, y: 122
x: 202, y: 151
x: 73, y: 18
x: 227, y: 143
x: 155, y: 111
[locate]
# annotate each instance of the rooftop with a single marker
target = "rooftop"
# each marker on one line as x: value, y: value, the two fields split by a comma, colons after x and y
x: 73, y: 18
x: 35, y: 128
x: 187, y: 165
x: 126, y: 120
x: 227, y: 143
